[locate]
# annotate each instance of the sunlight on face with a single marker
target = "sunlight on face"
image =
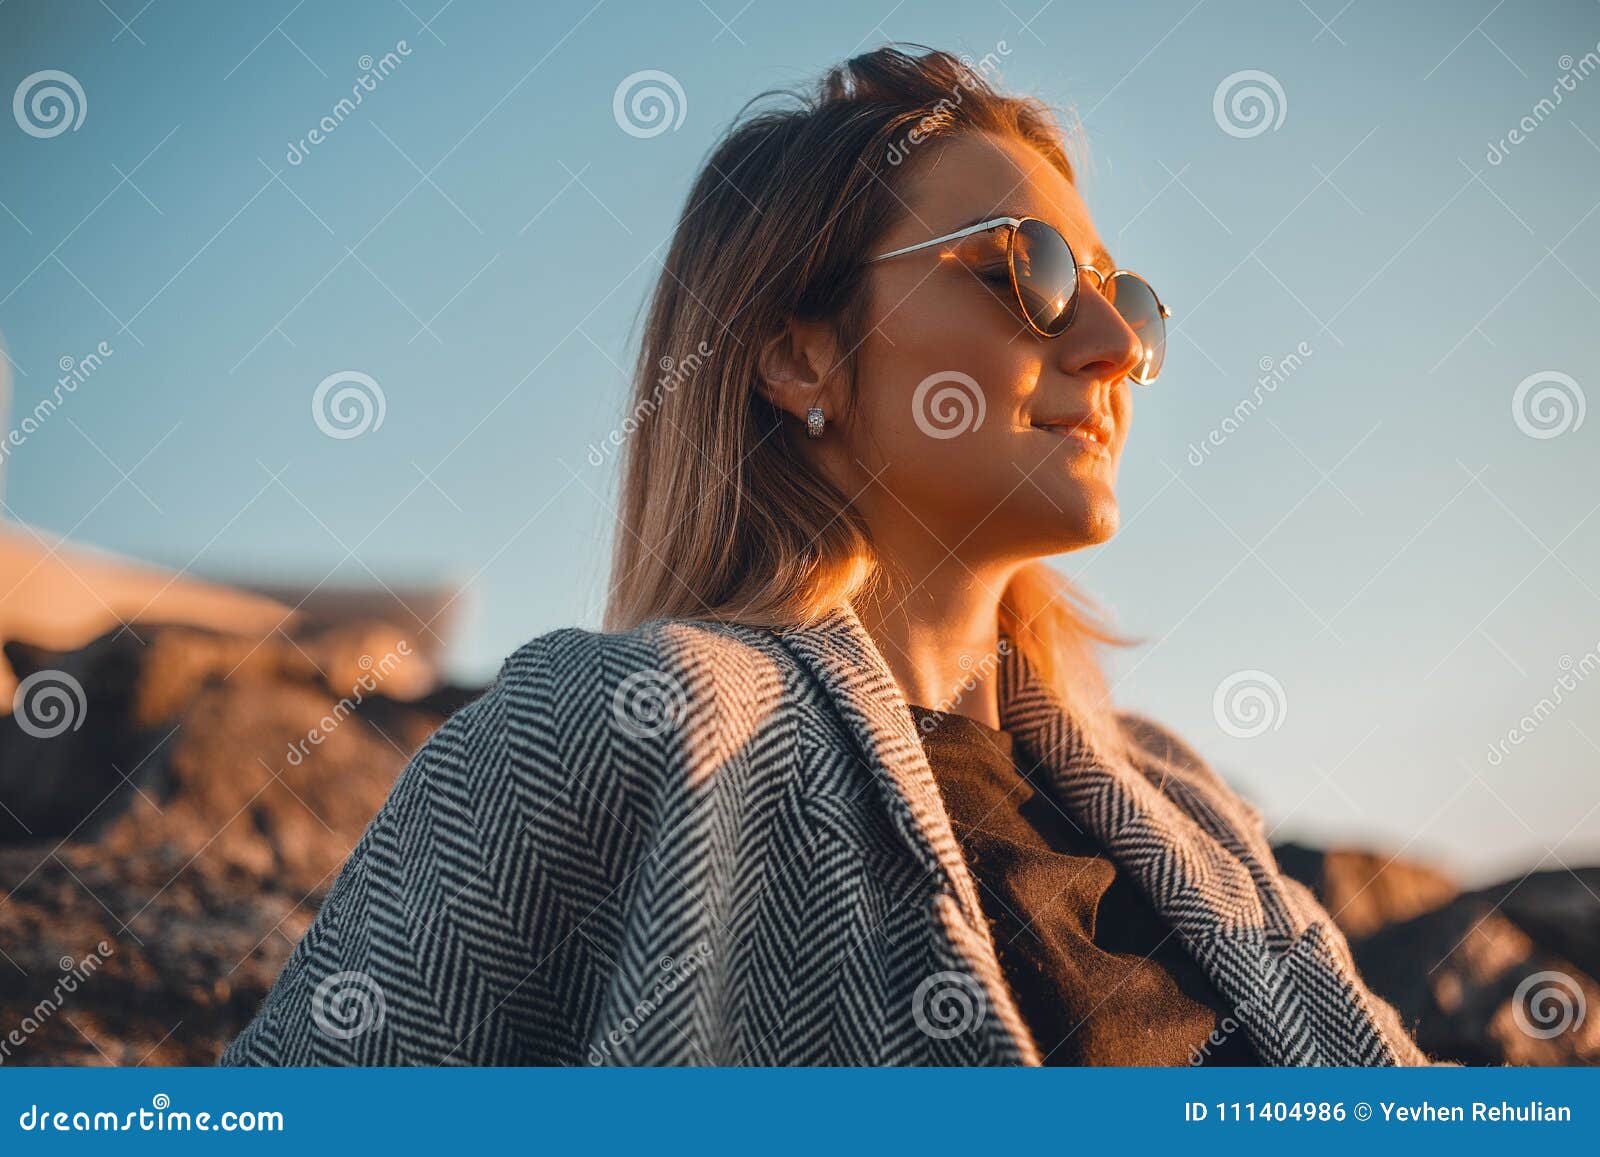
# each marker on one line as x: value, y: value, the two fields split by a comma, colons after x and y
x: 1004, y: 444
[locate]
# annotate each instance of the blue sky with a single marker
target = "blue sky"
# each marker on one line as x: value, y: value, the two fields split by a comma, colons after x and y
x: 1383, y: 536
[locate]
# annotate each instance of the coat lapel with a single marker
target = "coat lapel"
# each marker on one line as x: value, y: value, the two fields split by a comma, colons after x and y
x: 840, y: 653
x: 1200, y: 886
x: 1302, y: 1003
x: 1192, y: 850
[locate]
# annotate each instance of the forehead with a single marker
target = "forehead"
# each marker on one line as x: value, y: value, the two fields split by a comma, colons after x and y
x: 970, y: 178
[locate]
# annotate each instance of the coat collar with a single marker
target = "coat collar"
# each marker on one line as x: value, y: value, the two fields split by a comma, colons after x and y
x: 1186, y: 846
x: 839, y: 652
x: 842, y: 655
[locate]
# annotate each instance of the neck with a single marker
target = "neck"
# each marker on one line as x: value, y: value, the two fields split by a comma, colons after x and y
x: 940, y: 638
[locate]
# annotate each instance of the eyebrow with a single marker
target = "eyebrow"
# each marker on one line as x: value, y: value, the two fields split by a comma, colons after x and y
x: 1100, y: 257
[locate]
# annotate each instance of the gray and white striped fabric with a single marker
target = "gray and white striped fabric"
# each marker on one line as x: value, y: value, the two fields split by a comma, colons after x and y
x: 707, y: 843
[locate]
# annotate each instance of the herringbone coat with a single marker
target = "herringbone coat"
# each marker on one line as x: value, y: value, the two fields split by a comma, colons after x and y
x: 707, y: 843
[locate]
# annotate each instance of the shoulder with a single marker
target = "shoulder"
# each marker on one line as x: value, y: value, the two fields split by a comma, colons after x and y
x: 516, y: 840
x: 662, y: 671
x: 647, y: 646
x: 637, y: 713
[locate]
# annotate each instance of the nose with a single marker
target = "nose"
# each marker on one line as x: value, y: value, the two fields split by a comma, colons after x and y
x: 1098, y: 344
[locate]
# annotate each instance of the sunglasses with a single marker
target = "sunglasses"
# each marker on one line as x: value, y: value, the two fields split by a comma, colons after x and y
x: 1044, y: 277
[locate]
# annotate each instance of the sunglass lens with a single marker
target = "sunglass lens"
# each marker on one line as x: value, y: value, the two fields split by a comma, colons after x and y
x: 1131, y: 296
x: 1047, y: 275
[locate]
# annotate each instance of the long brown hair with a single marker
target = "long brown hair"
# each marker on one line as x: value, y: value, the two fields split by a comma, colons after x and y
x: 720, y: 517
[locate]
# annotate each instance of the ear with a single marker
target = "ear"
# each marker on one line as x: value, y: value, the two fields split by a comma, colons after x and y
x: 799, y: 369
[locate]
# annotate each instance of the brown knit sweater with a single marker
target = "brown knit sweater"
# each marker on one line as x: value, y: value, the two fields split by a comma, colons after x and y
x: 1099, y: 977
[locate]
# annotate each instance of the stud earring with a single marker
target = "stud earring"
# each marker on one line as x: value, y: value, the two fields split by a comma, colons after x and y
x: 814, y: 422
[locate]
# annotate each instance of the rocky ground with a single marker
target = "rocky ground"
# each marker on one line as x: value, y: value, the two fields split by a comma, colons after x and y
x: 199, y: 883
x: 1498, y: 975
x: 160, y: 859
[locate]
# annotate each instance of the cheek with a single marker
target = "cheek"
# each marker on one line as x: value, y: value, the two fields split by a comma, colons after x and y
x: 940, y: 370
x: 944, y: 412
x: 943, y: 381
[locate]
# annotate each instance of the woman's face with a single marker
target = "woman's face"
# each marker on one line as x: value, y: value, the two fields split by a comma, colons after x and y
x: 996, y: 442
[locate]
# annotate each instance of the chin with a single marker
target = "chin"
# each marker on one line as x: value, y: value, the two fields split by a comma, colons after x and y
x: 1103, y: 519
x: 1087, y: 520
x: 1093, y: 515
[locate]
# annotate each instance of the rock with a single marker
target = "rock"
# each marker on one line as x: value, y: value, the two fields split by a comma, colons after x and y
x: 1505, y: 975
x: 183, y: 837
x: 1559, y: 909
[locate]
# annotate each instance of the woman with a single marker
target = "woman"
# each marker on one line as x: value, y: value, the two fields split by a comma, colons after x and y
x: 839, y: 783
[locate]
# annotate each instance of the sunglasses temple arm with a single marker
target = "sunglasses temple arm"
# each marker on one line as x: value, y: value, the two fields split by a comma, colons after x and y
x: 956, y: 236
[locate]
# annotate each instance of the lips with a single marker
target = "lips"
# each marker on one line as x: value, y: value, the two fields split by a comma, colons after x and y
x: 1093, y: 430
